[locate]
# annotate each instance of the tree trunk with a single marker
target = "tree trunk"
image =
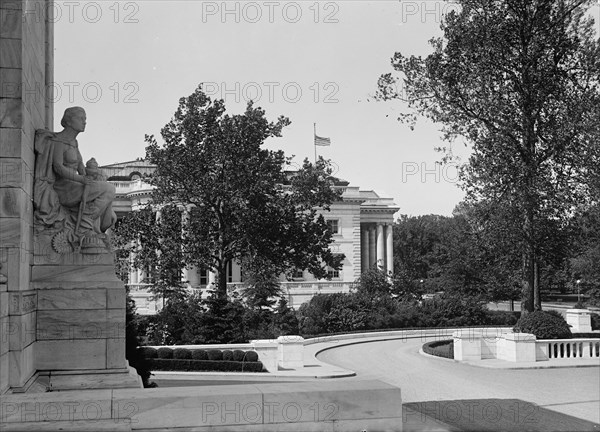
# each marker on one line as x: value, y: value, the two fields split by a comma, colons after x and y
x: 527, y: 300
x: 222, y: 281
x: 537, y: 299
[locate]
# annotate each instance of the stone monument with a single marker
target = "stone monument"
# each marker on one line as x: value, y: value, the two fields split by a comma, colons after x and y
x: 80, y: 337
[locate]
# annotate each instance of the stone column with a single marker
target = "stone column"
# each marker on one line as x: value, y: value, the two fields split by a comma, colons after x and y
x: 380, y: 247
x: 133, y: 274
x: 364, y: 249
x: 389, y: 248
x: 185, y: 217
x: 372, y: 247
x: 212, y: 276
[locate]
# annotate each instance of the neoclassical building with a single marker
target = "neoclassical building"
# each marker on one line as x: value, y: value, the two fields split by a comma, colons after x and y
x: 361, y: 222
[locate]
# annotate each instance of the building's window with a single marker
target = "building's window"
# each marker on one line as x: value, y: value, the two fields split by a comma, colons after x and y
x: 230, y: 272
x: 203, y: 276
x: 298, y: 274
x: 332, y: 224
x: 333, y: 274
x: 148, y: 275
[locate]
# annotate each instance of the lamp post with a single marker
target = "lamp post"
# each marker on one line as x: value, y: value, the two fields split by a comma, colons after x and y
x: 578, y: 282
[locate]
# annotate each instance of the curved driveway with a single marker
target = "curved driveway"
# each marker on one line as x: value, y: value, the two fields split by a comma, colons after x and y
x: 573, y: 391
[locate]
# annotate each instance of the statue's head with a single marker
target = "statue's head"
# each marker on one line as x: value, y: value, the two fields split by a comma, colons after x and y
x: 75, y: 118
x: 92, y: 164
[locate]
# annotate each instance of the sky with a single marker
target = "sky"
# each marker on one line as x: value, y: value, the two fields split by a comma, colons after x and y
x: 128, y: 63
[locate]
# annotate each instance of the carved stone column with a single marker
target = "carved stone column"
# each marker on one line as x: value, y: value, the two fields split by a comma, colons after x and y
x: 372, y: 246
x: 133, y: 273
x: 389, y: 248
x: 380, y: 247
x: 185, y: 218
x: 364, y: 249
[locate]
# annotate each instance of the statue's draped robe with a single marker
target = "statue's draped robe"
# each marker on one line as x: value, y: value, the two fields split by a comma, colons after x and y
x: 45, y: 199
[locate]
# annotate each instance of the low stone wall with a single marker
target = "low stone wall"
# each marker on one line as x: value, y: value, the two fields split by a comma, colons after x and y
x: 521, y: 347
x: 332, y: 405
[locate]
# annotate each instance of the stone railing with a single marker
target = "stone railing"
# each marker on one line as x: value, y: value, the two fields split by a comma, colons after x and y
x: 520, y: 347
x: 316, y: 286
x: 567, y: 348
x: 124, y: 187
x: 138, y: 286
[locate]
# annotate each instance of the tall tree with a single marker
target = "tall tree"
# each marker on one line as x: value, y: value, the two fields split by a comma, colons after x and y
x: 519, y: 81
x: 153, y: 238
x: 239, y: 200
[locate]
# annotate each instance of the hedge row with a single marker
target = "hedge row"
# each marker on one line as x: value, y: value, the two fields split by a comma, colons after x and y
x: 586, y: 335
x: 157, y: 364
x: 199, y: 354
x: 443, y: 348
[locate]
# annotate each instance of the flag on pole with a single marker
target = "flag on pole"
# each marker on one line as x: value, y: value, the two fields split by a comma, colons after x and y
x: 320, y: 141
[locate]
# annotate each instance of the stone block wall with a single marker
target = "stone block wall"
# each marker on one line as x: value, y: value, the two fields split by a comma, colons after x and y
x: 26, y: 63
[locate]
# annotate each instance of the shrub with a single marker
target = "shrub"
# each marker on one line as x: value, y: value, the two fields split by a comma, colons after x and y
x: 165, y: 353
x: 133, y: 354
x: 503, y: 318
x: 199, y: 354
x: 586, y: 335
x: 182, y: 354
x: 251, y: 356
x: 149, y: 352
x: 555, y: 313
x: 214, y: 354
x: 238, y: 355
x: 227, y: 355
x: 204, y: 365
x: 443, y: 348
x: 543, y: 325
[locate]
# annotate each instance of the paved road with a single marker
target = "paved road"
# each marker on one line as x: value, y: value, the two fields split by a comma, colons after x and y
x: 572, y: 391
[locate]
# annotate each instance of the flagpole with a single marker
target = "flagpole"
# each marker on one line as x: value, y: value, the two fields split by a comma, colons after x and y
x: 315, y: 143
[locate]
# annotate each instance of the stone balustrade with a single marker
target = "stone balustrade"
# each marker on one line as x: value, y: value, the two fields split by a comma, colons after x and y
x: 567, y: 348
x: 476, y: 345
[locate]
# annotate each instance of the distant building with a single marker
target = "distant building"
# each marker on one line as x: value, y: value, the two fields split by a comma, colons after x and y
x: 361, y: 223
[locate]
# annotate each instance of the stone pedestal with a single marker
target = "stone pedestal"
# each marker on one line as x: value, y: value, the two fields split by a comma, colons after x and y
x: 80, y: 325
x: 467, y: 345
x: 267, y: 350
x: 517, y: 347
x: 291, y: 352
x: 580, y: 320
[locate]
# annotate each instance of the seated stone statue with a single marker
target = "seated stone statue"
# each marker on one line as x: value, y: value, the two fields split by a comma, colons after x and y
x: 68, y: 199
